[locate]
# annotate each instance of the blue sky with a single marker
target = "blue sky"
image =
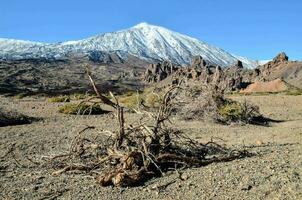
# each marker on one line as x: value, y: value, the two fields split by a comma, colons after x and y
x: 257, y: 29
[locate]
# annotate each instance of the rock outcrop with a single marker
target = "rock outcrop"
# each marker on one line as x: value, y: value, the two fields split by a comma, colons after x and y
x: 199, y: 71
x: 233, y: 78
x: 104, y: 57
x: 198, y: 61
x: 280, y: 58
x: 238, y: 64
x: 280, y: 67
x: 159, y: 71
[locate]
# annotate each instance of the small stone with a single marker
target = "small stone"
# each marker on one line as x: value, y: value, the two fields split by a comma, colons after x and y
x: 259, y: 142
x: 184, y: 177
x: 247, y: 187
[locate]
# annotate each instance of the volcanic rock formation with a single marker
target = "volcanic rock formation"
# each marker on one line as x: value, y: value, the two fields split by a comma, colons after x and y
x: 200, y: 72
x: 159, y: 71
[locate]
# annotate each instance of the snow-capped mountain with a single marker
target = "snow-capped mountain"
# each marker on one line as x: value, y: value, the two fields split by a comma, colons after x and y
x: 143, y: 40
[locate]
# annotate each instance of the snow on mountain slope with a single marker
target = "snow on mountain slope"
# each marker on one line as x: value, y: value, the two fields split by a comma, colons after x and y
x: 143, y: 40
x: 20, y: 49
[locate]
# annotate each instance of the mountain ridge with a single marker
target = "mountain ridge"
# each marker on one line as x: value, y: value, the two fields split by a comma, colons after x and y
x: 143, y: 40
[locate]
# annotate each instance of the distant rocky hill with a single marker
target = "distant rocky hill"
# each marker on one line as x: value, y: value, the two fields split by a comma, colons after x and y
x: 281, y: 67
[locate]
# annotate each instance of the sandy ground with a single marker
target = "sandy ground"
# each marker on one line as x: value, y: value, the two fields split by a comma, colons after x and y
x: 274, y: 173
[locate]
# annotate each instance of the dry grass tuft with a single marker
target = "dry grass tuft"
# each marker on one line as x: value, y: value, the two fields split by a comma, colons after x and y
x: 82, y: 109
x: 20, y: 96
x: 59, y: 99
x: 295, y: 92
x: 79, y: 96
x: 148, y: 98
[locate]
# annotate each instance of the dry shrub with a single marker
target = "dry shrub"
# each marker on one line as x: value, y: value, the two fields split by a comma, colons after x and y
x: 209, y: 104
x: 134, y: 153
x: 201, y: 104
x: 153, y: 100
x: 232, y: 111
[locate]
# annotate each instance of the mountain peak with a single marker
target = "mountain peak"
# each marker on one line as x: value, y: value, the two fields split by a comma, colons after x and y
x: 146, y: 41
x: 142, y: 25
x: 147, y: 26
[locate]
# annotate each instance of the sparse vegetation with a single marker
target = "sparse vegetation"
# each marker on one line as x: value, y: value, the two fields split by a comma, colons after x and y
x: 252, y: 93
x: 232, y: 111
x: 78, y: 96
x: 20, y: 96
x: 295, y: 92
x: 211, y: 105
x: 131, y: 99
x: 82, y: 109
x: 201, y: 105
x: 292, y: 92
x: 147, y: 98
x: 59, y: 99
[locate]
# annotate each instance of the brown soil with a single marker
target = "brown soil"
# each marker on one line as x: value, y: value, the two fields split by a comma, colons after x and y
x: 290, y: 71
x: 272, y: 86
x: 274, y: 173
